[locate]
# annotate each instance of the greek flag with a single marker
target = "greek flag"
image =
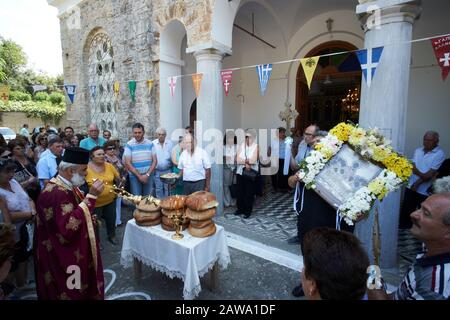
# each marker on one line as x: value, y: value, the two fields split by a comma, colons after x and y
x: 264, y: 71
x: 369, y: 59
x: 70, y: 90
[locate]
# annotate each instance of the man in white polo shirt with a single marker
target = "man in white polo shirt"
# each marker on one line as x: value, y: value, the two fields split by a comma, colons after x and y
x: 195, y: 167
x: 427, y: 161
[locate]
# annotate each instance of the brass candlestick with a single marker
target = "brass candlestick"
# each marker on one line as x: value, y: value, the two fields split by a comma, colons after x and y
x: 178, y: 223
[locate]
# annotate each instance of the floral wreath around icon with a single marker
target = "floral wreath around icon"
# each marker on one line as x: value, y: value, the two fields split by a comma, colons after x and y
x: 372, y: 146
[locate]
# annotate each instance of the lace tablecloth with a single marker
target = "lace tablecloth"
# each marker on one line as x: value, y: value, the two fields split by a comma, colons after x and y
x: 188, y: 259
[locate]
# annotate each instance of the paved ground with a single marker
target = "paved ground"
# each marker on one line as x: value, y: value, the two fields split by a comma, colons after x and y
x: 257, y: 247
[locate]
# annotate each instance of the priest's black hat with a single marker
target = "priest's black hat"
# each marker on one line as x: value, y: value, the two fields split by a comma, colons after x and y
x: 76, y: 155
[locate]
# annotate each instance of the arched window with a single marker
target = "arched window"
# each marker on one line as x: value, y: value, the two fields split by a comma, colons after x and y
x: 101, y: 78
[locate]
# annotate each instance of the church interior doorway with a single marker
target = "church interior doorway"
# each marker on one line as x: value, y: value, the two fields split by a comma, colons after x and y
x: 335, y: 89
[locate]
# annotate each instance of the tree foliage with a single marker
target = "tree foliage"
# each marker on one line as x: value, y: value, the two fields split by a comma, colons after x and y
x: 13, y: 59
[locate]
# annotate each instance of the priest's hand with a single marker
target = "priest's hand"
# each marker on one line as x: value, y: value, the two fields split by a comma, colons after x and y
x: 97, y: 188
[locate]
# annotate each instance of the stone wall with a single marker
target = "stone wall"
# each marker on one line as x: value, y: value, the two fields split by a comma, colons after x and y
x: 134, y: 28
x: 15, y: 121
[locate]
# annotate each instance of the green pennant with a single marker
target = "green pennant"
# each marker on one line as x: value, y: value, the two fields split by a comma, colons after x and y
x: 132, y: 87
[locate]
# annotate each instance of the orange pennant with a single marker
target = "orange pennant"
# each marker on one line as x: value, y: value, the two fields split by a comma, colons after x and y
x: 197, y: 80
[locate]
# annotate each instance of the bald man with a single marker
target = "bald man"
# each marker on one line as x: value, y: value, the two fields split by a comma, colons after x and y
x: 93, y: 140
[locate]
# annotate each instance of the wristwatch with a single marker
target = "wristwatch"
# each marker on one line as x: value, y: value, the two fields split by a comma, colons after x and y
x: 147, y: 174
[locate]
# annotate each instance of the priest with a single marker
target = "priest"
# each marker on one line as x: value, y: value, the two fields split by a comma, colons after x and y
x: 68, y: 264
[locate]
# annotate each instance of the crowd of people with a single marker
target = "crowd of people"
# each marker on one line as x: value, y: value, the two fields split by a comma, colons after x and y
x: 56, y: 186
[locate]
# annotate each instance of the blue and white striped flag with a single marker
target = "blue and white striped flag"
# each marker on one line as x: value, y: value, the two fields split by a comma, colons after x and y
x: 369, y: 59
x: 70, y: 90
x: 264, y: 71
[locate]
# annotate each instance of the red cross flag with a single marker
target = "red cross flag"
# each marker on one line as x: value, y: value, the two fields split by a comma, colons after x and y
x: 441, y: 46
x: 172, y: 83
x: 226, y: 80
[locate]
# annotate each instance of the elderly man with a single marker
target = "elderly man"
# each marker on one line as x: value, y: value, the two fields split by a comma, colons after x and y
x: 163, y: 150
x: 140, y: 161
x: 93, y: 139
x: 195, y: 167
x: 47, y: 166
x: 427, y: 161
x: 428, y: 278
x: 67, y: 257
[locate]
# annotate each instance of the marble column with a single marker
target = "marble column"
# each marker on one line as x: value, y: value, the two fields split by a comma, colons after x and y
x: 387, y: 23
x: 209, y: 124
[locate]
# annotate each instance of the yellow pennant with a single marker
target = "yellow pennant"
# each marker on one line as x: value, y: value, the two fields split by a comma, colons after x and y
x: 197, y: 80
x: 116, y: 89
x: 309, y: 66
x: 150, y: 85
x: 4, y: 93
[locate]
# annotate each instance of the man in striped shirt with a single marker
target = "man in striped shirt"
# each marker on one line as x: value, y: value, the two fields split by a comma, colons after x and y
x: 140, y: 161
x: 428, y: 278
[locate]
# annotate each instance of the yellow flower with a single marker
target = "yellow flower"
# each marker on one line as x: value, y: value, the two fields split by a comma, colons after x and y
x: 341, y: 131
x: 380, y: 153
x: 356, y: 136
x: 399, y: 165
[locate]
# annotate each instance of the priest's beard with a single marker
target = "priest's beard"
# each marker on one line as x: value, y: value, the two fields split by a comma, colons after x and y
x: 77, y: 180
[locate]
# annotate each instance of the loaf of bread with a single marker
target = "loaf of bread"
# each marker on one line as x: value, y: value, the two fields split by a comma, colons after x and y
x: 197, y: 224
x: 200, y: 215
x: 173, y: 202
x: 202, y: 232
x: 147, y: 218
x: 148, y: 206
x: 201, y: 200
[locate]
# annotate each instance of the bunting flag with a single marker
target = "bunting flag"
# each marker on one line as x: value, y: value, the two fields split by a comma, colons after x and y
x: 93, y: 90
x: 264, y: 71
x: 309, y: 67
x: 70, y: 90
x: 369, y: 59
x: 197, y: 81
x: 150, y: 85
x: 226, y: 80
x: 132, y: 88
x: 441, y: 47
x: 172, y: 83
x: 4, y: 93
x: 116, y: 89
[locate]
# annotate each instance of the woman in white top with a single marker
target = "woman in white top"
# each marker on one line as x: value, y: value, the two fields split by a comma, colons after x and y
x: 21, y: 209
x: 229, y: 164
x: 247, y: 173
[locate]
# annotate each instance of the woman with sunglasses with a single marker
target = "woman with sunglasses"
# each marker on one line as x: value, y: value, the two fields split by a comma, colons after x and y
x: 42, y: 142
x: 21, y: 209
x: 111, y: 157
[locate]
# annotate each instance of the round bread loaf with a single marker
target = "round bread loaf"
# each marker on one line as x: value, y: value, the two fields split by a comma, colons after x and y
x: 201, y: 200
x: 200, y: 215
x: 138, y: 214
x: 169, y: 213
x: 148, y: 206
x: 173, y: 202
x: 149, y: 223
x: 167, y: 227
x: 199, y: 224
x: 203, y: 232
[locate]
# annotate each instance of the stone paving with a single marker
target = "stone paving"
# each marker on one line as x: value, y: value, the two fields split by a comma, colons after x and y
x: 248, y: 276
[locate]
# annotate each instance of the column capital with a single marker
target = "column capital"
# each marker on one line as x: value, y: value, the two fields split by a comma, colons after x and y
x: 373, y: 14
x: 209, y: 54
x: 213, y: 47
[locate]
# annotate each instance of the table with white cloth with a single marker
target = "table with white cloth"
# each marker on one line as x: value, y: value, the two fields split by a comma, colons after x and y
x: 188, y: 259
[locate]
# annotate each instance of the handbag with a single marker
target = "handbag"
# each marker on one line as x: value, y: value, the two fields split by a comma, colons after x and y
x: 249, y: 174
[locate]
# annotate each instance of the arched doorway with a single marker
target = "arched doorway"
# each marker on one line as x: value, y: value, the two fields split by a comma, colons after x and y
x: 336, y: 78
x: 193, y: 114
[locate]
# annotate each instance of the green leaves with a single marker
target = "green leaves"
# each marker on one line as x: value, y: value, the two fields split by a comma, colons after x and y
x: 44, y: 110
